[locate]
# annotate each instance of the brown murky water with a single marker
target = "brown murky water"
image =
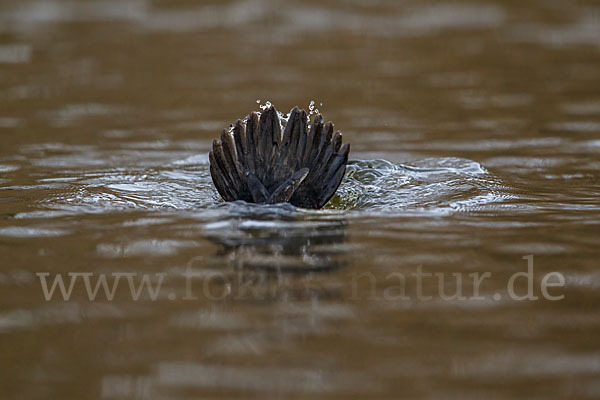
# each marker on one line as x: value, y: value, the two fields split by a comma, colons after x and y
x: 475, y: 131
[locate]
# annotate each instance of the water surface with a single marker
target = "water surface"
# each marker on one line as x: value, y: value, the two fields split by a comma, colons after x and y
x: 475, y: 131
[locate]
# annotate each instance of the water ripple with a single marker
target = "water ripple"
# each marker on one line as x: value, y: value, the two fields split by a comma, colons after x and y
x: 434, y: 185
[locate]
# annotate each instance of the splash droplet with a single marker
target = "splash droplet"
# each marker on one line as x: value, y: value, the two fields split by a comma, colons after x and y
x: 267, y: 105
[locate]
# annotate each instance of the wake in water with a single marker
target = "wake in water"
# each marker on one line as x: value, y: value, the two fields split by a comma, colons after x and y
x: 434, y: 185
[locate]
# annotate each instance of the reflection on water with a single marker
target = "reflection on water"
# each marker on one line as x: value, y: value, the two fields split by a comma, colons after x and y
x: 279, y: 238
x: 475, y: 141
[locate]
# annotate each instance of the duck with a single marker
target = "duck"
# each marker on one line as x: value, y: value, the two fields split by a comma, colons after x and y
x: 261, y: 160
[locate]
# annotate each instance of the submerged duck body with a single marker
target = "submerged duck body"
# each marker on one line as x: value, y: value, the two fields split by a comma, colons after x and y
x: 256, y: 162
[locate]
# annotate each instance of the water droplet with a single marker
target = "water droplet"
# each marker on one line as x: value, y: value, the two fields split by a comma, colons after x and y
x: 267, y: 105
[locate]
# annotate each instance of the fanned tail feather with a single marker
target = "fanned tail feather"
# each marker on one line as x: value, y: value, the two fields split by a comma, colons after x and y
x: 256, y: 162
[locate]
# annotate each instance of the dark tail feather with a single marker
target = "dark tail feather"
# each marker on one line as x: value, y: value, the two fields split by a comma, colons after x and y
x: 218, y: 179
x: 285, y: 191
x: 258, y: 163
x: 258, y: 191
x: 252, y: 134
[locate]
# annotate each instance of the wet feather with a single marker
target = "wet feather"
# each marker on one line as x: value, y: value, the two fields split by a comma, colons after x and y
x: 255, y: 161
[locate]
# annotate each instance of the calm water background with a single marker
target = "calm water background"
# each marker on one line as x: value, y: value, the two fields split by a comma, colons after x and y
x: 475, y: 130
